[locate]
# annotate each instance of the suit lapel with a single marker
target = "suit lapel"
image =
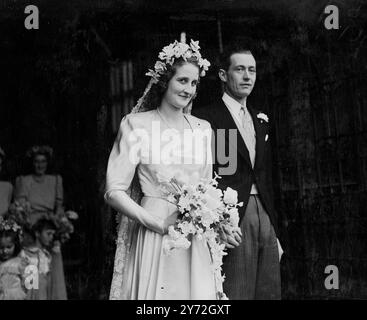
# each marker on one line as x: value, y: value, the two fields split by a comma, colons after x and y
x: 225, y: 120
x: 260, y: 136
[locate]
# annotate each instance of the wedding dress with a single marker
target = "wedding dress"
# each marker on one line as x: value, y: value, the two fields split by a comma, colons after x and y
x: 142, y: 269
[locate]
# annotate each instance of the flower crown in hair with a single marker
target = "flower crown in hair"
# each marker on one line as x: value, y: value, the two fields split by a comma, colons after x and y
x: 39, y: 150
x: 6, y: 225
x: 174, y: 51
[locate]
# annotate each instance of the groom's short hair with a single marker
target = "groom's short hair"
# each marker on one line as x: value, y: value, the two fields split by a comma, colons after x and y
x: 225, y: 56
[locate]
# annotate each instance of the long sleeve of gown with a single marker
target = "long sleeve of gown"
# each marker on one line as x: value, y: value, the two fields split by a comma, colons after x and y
x: 123, y: 161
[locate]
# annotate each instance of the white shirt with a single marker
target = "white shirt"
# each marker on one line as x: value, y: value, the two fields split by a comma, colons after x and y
x: 249, y: 135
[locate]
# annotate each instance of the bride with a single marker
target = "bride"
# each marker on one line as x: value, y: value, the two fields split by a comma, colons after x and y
x: 149, y: 144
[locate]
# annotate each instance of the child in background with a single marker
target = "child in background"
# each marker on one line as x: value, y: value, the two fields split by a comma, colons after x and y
x: 38, y: 255
x: 11, y: 266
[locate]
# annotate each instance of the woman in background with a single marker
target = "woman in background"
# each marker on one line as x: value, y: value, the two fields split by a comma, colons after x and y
x: 45, y: 193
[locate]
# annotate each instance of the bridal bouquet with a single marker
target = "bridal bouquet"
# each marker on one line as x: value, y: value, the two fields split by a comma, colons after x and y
x: 204, y: 211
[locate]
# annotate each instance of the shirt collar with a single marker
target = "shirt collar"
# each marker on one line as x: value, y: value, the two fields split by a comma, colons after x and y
x: 232, y: 104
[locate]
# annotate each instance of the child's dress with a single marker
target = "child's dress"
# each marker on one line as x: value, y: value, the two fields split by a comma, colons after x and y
x: 11, y: 279
x: 41, y: 259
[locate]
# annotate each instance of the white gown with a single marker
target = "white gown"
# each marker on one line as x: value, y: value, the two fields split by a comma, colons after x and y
x: 142, y: 270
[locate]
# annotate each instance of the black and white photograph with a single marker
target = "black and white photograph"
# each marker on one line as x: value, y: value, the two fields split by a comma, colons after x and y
x: 183, y: 151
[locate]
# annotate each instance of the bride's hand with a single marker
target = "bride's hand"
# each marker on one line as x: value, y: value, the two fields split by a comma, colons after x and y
x: 170, y: 220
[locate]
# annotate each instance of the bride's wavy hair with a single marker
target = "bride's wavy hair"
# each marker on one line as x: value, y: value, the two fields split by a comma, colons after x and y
x: 155, y: 95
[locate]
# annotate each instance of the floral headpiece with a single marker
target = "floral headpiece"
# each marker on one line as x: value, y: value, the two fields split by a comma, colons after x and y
x: 32, y: 151
x: 167, y: 56
x: 175, y: 51
x: 8, y: 224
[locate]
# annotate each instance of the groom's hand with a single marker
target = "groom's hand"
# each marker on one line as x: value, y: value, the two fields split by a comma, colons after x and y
x: 231, y: 238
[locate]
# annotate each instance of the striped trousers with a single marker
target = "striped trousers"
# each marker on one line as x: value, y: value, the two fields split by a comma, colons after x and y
x: 252, y: 269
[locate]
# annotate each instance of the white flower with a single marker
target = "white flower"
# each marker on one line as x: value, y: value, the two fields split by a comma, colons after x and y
x: 64, y: 220
x: 180, y: 49
x: 230, y: 196
x: 186, y: 55
x: 184, y: 203
x: 72, y: 215
x: 171, y: 198
x: 214, y: 192
x: 234, y: 217
x: 210, y: 236
x: 211, y: 202
x: 168, y: 245
x: 174, y: 51
x: 194, y: 45
x: 176, y: 240
x: 204, y: 63
x: 153, y: 74
x: 187, y: 228
x: 209, y: 217
x: 173, y: 233
x: 159, y: 67
x: 189, y: 190
x: 263, y: 116
x: 182, y: 243
x: 167, y: 52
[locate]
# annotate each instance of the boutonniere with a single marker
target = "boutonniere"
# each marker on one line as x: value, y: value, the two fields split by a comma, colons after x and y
x: 262, y: 117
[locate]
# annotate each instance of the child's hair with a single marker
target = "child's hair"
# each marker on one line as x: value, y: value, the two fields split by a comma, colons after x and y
x: 14, y: 236
x: 44, y: 224
x: 29, y: 236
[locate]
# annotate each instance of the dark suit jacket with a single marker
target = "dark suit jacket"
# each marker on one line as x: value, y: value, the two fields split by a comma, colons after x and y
x: 244, y: 176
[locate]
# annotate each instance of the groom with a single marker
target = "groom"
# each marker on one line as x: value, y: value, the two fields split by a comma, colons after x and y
x: 252, y: 265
